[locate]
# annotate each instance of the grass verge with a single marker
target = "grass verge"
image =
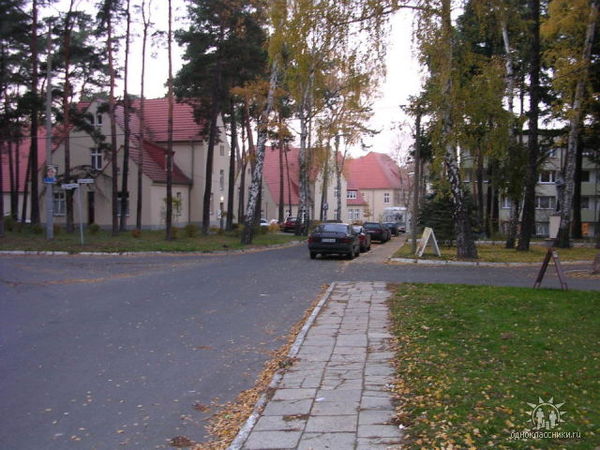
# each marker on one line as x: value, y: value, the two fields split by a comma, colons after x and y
x: 148, y: 241
x: 471, y: 358
x: 497, y: 253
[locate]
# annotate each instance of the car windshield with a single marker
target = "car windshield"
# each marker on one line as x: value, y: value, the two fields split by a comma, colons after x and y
x: 334, y: 228
x: 371, y: 226
x: 357, y: 229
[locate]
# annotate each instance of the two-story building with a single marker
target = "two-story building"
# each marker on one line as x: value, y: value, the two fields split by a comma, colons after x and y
x: 376, y: 186
x: 90, y: 160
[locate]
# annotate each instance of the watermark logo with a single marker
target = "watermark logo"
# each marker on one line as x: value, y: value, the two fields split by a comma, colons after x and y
x: 545, y: 415
x: 545, y: 418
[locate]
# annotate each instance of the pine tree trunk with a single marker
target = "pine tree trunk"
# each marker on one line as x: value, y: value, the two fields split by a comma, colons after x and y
x: 528, y: 220
x: 563, y: 238
x: 253, y: 192
x: 140, y: 172
x: 67, y: 120
x: 127, y: 131
x: 210, y: 151
x: 35, y: 206
x: 113, y: 129
x: 169, y: 213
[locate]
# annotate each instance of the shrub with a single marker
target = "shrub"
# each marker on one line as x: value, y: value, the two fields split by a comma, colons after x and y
x: 9, y: 223
x: 57, y: 229
x: 273, y: 228
x: 37, y: 229
x: 191, y: 230
x: 93, y: 228
x: 136, y: 233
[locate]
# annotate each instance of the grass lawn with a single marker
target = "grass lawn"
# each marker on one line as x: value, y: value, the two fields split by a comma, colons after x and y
x: 148, y: 241
x: 497, y: 253
x: 471, y: 358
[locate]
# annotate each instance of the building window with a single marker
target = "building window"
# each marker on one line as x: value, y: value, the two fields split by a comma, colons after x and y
x: 96, y: 158
x: 542, y: 228
x: 178, y: 204
x: 351, y: 195
x: 386, y: 197
x: 505, y: 204
x: 585, y: 202
x: 222, y: 150
x: 551, y: 153
x: 119, y: 200
x: 222, y: 179
x: 585, y: 176
x: 547, y: 176
x: 212, y: 203
x: 353, y: 214
x: 59, y: 204
x: 545, y: 202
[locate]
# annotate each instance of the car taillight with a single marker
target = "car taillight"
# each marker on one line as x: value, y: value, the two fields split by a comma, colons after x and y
x: 311, y: 239
x: 346, y: 240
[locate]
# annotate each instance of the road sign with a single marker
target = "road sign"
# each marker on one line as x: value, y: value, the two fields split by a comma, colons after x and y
x: 85, y: 181
x: 49, y: 180
x: 69, y: 186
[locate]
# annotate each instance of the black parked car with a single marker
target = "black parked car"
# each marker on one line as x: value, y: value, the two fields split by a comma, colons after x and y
x: 378, y: 231
x: 334, y: 238
x: 363, y: 237
x: 393, y: 227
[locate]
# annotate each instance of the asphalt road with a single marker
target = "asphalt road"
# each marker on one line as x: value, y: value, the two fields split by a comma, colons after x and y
x: 104, y: 352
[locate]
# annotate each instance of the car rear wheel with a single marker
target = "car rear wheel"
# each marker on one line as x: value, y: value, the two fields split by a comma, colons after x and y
x: 351, y: 254
x: 313, y: 255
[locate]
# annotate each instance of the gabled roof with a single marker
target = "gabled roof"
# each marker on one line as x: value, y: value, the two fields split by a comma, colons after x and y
x: 373, y: 171
x: 154, y: 165
x: 185, y: 127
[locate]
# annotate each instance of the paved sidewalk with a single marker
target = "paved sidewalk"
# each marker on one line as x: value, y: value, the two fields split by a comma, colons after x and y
x: 335, y: 395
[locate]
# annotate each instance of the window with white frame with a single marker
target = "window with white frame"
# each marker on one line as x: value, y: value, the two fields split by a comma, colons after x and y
x: 96, y: 158
x: 545, y: 202
x: 222, y: 180
x: 386, y: 197
x: 178, y: 204
x: 353, y: 214
x: 212, y: 203
x: 547, y: 176
x: 120, y: 196
x: 505, y: 204
x: 542, y: 228
x: 551, y: 153
x: 351, y: 195
x: 222, y: 150
x: 59, y: 205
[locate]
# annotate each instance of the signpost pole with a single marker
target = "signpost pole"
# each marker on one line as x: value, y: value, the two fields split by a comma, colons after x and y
x: 80, y: 216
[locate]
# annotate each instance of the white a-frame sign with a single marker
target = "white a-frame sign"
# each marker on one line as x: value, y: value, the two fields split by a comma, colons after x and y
x: 427, y: 236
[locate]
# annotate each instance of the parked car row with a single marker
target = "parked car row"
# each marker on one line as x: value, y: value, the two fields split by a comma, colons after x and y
x: 348, y: 240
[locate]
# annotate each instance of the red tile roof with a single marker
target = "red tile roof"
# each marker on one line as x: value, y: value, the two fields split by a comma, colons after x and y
x: 185, y: 127
x: 22, y: 147
x: 373, y: 171
x: 154, y: 154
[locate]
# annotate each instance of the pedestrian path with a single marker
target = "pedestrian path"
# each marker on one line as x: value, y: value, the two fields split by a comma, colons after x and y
x: 336, y: 394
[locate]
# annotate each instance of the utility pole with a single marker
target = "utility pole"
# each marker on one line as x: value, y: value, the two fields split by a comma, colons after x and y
x: 49, y: 166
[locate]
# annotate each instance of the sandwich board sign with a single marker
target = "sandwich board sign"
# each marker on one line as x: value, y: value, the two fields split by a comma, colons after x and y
x: 428, y: 235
